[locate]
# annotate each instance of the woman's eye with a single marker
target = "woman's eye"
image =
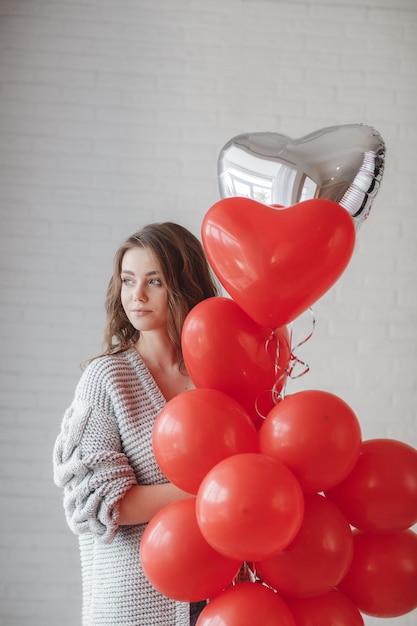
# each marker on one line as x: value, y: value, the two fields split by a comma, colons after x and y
x: 127, y: 281
x: 155, y: 281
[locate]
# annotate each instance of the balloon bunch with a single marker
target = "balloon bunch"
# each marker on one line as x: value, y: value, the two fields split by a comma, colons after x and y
x: 296, y: 520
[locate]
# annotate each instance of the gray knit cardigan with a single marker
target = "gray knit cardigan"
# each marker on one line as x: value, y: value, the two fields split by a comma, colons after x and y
x: 105, y: 447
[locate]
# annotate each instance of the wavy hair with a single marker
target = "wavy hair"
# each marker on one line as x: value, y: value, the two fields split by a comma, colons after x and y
x: 187, y: 277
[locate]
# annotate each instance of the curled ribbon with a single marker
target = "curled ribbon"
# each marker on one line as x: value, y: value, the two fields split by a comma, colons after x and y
x: 294, y: 360
x: 294, y: 363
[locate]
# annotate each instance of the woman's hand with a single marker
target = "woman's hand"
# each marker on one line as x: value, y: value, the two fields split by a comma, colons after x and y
x: 142, y: 502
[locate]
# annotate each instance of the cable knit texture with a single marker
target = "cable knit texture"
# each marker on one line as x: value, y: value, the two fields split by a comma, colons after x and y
x: 105, y: 447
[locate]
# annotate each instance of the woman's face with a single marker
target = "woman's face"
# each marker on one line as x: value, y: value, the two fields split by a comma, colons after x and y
x: 143, y: 293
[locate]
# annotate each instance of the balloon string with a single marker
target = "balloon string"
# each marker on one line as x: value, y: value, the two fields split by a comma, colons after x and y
x: 280, y: 374
x: 247, y: 573
x: 294, y: 360
x: 289, y: 372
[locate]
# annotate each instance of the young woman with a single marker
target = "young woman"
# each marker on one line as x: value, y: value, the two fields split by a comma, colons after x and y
x: 103, y: 456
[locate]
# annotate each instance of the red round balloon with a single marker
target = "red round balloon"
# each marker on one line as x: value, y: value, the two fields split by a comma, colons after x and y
x: 319, y: 556
x: 249, y: 507
x: 316, y: 435
x: 277, y: 263
x: 178, y: 561
x: 382, y: 578
x: 225, y: 349
x: 197, y: 429
x: 246, y: 604
x: 380, y: 493
x: 333, y: 608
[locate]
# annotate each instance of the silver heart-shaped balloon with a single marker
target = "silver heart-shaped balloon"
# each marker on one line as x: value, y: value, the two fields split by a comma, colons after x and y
x: 342, y: 163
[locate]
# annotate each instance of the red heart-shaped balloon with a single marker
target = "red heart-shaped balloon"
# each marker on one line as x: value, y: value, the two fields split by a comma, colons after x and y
x: 275, y: 263
x: 224, y: 349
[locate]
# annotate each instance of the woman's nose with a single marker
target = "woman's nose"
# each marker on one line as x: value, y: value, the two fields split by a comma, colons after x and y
x: 140, y: 293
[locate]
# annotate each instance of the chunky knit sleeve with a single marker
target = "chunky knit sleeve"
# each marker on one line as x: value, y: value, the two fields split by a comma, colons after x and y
x: 93, y: 470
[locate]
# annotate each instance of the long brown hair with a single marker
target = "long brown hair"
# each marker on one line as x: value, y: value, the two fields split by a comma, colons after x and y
x: 187, y: 277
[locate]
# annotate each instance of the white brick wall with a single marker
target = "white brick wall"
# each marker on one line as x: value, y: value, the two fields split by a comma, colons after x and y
x: 112, y: 115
